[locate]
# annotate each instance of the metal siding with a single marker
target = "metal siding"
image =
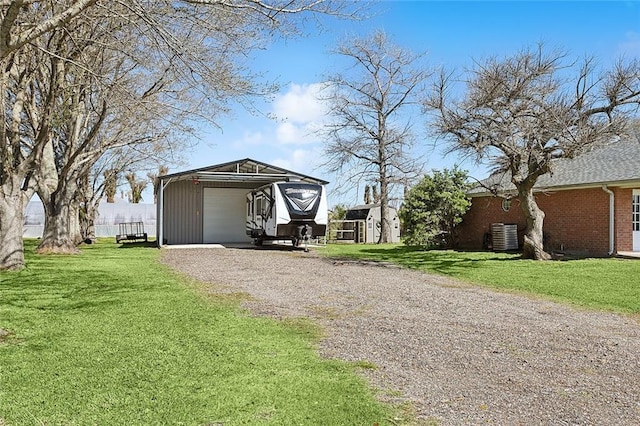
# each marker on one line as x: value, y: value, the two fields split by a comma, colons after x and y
x: 182, y: 213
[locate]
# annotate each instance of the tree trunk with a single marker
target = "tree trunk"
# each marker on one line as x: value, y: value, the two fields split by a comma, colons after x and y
x: 74, y: 223
x: 533, y: 247
x: 385, y: 228
x: 57, y: 236
x: 57, y: 199
x: 87, y: 209
x: 86, y: 216
x: 11, y: 225
x: 11, y: 179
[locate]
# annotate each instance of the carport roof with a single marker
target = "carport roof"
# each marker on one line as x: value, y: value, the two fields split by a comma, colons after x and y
x: 243, y: 170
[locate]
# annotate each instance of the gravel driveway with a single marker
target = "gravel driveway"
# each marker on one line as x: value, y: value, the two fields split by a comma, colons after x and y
x: 460, y: 354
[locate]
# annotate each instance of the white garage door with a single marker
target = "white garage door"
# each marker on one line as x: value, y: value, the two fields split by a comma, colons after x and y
x: 223, y: 215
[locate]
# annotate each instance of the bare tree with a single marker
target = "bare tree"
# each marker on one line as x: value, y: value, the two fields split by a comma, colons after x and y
x: 25, y: 21
x: 31, y: 79
x: 370, y: 135
x: 136, y: 187
x: 103, y: 180
x: 110, y: 183
x: 523, y: 112
x: 18, y: 149
x: 23, y: 25
x: 375, y: 195
x: 367, y: 194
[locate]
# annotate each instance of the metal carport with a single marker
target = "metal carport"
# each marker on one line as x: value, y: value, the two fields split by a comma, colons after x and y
x: 206, y: 205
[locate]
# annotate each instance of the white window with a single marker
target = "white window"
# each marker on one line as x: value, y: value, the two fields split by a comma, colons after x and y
x: 259, y: 206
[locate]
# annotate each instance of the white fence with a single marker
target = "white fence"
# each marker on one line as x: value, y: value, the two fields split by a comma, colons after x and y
x: 106, y: 222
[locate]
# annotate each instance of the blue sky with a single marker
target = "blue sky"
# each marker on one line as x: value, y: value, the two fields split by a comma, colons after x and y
x: 451, y: 32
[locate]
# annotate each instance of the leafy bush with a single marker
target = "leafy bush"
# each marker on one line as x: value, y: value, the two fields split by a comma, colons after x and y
x: 434, y: 207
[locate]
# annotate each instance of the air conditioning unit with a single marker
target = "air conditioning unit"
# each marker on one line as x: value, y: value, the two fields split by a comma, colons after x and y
x: 504, y: 236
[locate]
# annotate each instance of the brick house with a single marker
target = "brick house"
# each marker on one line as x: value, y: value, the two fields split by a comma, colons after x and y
x: 591, y: 203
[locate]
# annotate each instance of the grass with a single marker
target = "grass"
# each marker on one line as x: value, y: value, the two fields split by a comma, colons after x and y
x: 112, y: 337
x: 606, y: 284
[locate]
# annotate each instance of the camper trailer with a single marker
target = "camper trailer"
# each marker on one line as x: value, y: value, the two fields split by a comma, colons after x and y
x: 294, y: 211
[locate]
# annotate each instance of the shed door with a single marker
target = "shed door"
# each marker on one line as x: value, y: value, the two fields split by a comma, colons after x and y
x: 223, y: 215
x: 636, y: 219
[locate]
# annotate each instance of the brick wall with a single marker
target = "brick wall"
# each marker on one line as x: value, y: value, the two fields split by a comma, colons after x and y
x: 576, y: 220
x: 483, y: 212
x: 623, y: 228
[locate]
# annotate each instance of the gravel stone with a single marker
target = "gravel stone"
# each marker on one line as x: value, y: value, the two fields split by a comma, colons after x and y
x: 459, y: 354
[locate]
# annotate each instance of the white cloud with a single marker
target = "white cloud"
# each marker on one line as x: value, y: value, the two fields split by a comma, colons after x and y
x: 301, y: 113
x: 288, y: 133
x: 300, y: 104
x: 293, y: 133
x: 252, y: 138
x: 249, y: 139
x: 305, y: 161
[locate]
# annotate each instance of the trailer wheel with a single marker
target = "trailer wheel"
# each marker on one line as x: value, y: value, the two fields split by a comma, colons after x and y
x: 259, y: 241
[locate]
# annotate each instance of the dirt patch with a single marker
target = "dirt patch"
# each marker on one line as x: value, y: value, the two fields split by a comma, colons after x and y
x: 5, y: 335
x: 459, y: 354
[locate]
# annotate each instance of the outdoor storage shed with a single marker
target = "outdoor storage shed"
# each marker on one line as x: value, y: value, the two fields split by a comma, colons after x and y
x: 208, y: 205
x: 365, y: 221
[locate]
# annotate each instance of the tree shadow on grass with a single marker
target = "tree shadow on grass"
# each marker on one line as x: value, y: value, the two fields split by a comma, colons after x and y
x: 96, y: 277
x: 447, y: 262
x: 46, y: 286
x: 137, y: 244
x: 49, y: 295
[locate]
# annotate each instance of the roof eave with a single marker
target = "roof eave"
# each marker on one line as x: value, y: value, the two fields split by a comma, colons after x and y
x: 190, y: 174
x: 628, y: 183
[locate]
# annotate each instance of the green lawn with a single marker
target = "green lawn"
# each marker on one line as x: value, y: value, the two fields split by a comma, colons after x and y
x: 609, y: 284
x: 112, y: 337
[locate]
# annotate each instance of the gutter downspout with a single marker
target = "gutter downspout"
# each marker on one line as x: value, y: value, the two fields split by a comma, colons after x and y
x: 611, y: 219
x: 160, y: 218
x: 160, y: 201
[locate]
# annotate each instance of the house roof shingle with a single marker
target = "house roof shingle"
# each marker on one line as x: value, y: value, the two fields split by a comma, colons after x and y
x: 615, y: 163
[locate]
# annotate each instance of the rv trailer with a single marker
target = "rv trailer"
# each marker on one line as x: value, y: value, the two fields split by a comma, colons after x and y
x: 294, y: 211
